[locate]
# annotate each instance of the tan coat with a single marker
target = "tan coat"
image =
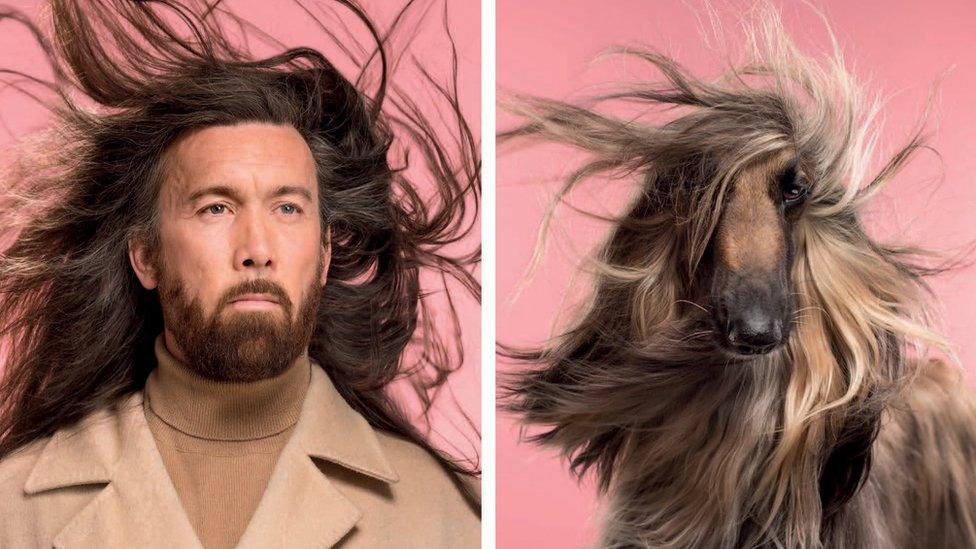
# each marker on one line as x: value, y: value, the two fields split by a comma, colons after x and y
x: 102, y: 484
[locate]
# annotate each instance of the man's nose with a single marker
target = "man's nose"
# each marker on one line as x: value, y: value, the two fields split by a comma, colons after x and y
x: 253, y: 247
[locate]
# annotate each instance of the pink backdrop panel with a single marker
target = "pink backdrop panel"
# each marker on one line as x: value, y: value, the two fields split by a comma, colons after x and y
x: 286, y: 22
x: 545, y: 48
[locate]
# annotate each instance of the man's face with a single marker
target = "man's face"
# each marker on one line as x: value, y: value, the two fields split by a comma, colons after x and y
x: 241, y: 262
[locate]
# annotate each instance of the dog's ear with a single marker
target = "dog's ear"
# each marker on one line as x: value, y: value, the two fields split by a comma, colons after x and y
x: 848, y: 462
x: 848, y: 456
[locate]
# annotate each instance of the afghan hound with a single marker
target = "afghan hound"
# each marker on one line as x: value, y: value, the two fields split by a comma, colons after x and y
x: 751, y: 368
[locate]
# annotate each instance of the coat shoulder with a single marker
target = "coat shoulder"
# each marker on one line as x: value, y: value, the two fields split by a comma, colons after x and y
x: 47, y: 481
x: 17, y: 466
x: 421, y: 474
x: 28, y: 518
x: 15, y: 508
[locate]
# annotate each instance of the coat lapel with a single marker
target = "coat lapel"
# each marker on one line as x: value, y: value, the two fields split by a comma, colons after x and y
x: 300, y: 504
x: 139, y: 506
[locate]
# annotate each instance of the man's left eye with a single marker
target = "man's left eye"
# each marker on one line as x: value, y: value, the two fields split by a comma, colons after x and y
x: 290, y: 208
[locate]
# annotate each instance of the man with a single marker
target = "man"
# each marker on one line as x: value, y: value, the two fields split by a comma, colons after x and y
x: 202, y: 321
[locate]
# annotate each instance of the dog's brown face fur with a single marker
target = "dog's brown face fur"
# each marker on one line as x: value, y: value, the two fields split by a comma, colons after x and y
x: 752, y: 252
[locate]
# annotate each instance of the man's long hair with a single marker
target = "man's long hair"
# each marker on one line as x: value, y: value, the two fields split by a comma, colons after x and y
x: 77, y: 327
x: 697, y: 449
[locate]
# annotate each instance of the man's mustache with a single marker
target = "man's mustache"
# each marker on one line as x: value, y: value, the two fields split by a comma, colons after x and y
x: 256, y: 286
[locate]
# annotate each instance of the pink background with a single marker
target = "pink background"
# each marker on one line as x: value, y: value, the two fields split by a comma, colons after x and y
x: 288, y: 24
x: 544, y: 48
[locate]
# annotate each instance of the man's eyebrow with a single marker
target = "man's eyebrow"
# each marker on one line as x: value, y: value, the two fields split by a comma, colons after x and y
x: 220, y: 190
x: 291, y: 189
x: 224, y: 190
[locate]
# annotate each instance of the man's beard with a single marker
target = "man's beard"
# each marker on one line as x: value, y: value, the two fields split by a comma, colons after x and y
x: 239, y: 346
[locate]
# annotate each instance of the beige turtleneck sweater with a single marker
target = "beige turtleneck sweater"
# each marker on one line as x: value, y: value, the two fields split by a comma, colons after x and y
x: 220, y: 441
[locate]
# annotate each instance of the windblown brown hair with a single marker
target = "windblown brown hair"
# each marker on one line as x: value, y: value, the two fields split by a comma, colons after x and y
x: 848, y: 435
x: 75, y: 324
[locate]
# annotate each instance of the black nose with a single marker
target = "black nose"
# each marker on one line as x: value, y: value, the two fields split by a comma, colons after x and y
x: 754, y: 331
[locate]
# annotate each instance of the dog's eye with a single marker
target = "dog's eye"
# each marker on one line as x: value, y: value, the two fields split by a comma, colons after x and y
x: 792, y: 186
x: 793, y: 193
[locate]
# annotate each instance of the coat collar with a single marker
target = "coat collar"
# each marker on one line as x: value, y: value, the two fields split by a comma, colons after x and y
x: 140, y: 506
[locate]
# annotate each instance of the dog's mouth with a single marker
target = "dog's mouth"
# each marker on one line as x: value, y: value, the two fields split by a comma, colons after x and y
x: 752, y: 346
x: 745, y: 352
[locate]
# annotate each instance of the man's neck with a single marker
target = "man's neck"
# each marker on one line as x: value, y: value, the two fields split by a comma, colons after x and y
x: 223, y: 410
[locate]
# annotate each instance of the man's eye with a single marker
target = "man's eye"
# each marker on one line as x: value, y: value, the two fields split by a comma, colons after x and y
x: 215, y: 209
x: 290, y: 208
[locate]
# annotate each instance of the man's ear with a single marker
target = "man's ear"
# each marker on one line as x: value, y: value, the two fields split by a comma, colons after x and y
x: 141, y: 259
x: 326, y: 256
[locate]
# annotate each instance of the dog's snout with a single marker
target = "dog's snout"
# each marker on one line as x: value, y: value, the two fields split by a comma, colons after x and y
x: 753, y: 318
x: 755, y: 331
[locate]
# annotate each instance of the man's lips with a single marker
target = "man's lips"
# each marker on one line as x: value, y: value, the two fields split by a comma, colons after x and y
x: 256, y: 299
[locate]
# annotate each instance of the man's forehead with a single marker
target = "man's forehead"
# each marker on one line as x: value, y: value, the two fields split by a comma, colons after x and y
x: 245, y: 157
